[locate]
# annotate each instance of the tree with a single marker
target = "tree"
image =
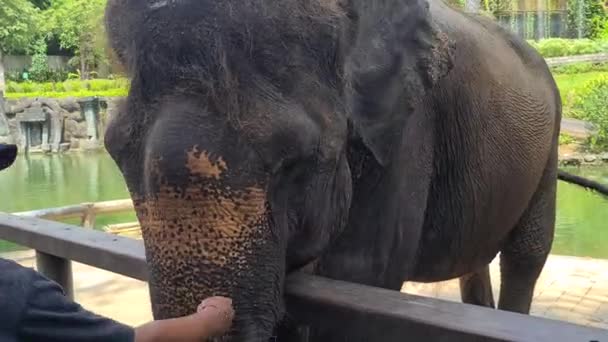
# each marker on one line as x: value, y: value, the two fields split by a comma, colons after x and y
x: 79, y: 25
x: 586, y: 18
x: 18, y: 27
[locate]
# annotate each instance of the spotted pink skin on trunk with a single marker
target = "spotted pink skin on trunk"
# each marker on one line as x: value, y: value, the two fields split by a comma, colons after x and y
x: 199, y: 237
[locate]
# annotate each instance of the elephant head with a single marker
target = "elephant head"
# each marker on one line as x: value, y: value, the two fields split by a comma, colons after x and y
x: 233, y: 140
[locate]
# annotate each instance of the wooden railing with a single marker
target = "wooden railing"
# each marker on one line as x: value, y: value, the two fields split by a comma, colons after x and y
x: 88, y: 212
x: 590, y: 58
x: 311, y: 300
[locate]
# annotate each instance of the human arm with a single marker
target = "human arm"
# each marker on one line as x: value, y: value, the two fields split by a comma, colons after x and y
x: 40, y: 311
x: 44, y: 313
x: 213, y: 318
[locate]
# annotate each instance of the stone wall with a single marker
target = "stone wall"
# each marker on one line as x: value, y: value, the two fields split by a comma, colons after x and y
x: 64, y: 121
x: 581, y: 159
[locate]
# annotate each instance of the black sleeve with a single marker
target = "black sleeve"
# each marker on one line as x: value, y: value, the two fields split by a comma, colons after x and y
x: 50, y: 316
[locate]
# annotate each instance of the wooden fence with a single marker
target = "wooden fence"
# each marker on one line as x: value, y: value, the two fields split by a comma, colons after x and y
x: 590, y: 58
x: 87, y: 212
x: 311, y: 300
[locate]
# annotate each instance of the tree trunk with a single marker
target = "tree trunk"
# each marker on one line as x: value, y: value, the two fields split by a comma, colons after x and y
x: 2, y: 81
x: 84, y: 75
x: 83, y: 65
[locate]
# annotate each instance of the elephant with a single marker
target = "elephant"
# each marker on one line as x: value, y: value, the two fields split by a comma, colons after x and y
x: 375, y: 142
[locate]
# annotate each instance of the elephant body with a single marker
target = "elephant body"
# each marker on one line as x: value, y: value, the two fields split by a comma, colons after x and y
x: 476, y: 176
x: 380, y: 142
x: 481, y: 155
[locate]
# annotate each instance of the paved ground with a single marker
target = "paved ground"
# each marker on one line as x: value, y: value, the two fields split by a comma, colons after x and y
x: 577, y: 128
x: 570, y: 289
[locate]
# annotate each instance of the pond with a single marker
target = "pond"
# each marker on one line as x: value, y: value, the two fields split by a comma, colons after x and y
x: 38, y: 181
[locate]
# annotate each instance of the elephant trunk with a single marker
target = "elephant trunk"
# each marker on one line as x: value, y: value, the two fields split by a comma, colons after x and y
x: 211, y: 236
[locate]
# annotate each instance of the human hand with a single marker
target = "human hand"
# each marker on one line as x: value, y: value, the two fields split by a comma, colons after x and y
x: 217, y: 313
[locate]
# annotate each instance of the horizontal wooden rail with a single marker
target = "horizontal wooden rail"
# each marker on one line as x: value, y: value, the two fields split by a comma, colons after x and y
x: 78, y: 210
x: 314, y: 300
x: 590, y: 58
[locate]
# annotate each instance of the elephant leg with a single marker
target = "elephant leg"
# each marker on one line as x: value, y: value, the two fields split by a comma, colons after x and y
x: 523, y: 256
x: 476, y: 288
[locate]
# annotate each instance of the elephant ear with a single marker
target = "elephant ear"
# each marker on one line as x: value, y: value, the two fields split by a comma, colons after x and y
x: 392, y: 56
x: 122, y: 20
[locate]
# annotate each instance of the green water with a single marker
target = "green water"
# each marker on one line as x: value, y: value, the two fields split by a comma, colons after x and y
x: 40, y: 181
x: 37, y: 182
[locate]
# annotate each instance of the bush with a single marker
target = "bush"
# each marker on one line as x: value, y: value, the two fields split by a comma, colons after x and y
x: 27, y: 87
x: 39, y: 70
x: 565, y: 139
x: 73, y: 85
x: 579, y: 68
x: 558, y: 47
x: 591, y: 104
x: 593, y: 18
x: 13, y: 75
x: 81, y: 93
x: 13, y: 87
x: 72, y: 88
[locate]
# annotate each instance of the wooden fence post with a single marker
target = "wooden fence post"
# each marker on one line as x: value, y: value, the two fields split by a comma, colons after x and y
x: 57, y: 269
x: 88, y: 219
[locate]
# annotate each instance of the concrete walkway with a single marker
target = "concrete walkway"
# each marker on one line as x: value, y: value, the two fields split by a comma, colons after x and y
x: 570, y: 289
x: 577, y: 128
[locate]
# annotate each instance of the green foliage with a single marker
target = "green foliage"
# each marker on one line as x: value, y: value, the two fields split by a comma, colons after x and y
x: 565, y: 139
x: 39, y: 70
x: 42, y: 4
x: 603, y: 32
x: 18, y: 25
x: 13, y: 75
x: 81, y: 93
x: 571, y: 85
x: 70, y: 88
x: 591, y: 104
x: 589, y: 15
x: 558, y: 47
x: 579, y: 68
x: 79, y: 25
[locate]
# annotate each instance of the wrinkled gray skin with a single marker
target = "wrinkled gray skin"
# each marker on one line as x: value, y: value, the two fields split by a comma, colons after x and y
x: 379, y: 141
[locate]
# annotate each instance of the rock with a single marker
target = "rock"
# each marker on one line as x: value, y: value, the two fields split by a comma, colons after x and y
x: 76, y: 116
x: 590, y: 158
x: 572, y: 160
x: 90, y: 145
x: 19, y: 106
x: 81, y: 132
x: 74, y: 144
x: 69, y: 104
x: 73, y: 129
x: 6, y: 139
x: 52, y: 104
x: 64, y: 147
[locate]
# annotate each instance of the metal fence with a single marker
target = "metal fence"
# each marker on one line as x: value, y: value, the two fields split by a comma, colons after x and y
x: 311, y: 300
x: 535, y: 24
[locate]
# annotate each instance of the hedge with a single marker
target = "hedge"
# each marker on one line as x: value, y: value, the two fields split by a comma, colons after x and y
x: 71, y: 88
x: 559, y: 47
x: 591, y: 104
